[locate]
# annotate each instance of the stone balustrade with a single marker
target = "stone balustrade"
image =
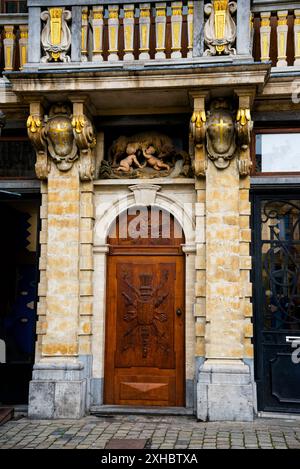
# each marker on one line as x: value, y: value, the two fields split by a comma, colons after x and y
x: 276, y: 33
x: 113, y: 33
x: 13, y: 41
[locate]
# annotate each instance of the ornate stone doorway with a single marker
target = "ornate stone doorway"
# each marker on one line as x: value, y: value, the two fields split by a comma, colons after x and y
x: 145, y: 317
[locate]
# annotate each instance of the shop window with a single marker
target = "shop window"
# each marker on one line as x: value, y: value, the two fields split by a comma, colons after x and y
x: 277, y: 152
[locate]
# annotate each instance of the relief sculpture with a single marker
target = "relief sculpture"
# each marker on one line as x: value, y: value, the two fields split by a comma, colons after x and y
x: 145, y: 155
x: 144, y: 312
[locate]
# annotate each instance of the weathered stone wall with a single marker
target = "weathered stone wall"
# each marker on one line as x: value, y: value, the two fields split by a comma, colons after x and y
x: 200, y: 267
x: 42, y: 287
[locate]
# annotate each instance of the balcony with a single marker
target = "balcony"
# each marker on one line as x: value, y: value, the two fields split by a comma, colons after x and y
x: 77, y: 34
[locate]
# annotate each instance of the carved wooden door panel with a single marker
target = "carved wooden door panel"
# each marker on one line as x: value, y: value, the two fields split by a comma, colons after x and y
x: 145, y: 330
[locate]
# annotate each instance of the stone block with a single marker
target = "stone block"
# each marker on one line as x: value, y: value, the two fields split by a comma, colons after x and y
x: 225, y: 392
x: 70, y: 399
x: 201, y: 196
x: 200, y: 328
x: 57, y: 399
x: 41, y: 400
x: 244, y: 249
x: 246, y: 235
x: 200, y: 262
x: 244, y: 221
x: 248, y: 328
x: 200, y: 210
x: 199, y: 307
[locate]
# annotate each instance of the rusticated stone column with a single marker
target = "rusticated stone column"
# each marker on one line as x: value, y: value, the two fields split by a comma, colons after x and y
x: 63, y: 141
x: 221, y: 137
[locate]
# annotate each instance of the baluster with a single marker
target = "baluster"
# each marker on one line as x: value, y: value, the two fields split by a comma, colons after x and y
x: 282, y: 31
x: 113, y: 31
x: 9, y: 43
x: 297, y: 37
x: 97, y: 24
x: 144, y: 24
x: 190, y: 27
x: 128, y: 24
x: 84, y: 34
x: 176, y: 22
x: 265, y: 33
x: 160, y: 23
x: 23, y: 45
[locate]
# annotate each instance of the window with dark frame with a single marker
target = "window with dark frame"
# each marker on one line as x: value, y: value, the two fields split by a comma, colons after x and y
x: 276, y: 151
x: 13, y: 6
x: 17, y: 158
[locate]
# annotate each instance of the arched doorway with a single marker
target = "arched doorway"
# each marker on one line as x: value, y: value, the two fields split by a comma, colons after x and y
x: 145, y: 314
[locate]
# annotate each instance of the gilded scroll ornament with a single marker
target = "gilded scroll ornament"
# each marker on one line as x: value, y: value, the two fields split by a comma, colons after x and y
x: 56, y: 35
x: 220, y: 28
x: 244, y: 126
x: 83, y: 133
x: 197, y: 135
x: 35, y: 129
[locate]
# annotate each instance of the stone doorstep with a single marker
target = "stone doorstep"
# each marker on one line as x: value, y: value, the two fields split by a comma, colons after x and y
x: 126, y: 410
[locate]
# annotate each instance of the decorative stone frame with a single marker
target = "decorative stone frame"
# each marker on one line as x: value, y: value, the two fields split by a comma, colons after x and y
x: 101, y: 249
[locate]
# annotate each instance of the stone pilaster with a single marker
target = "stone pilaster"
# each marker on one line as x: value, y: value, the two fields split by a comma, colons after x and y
x: 63, y: 143
x: 223, y: 289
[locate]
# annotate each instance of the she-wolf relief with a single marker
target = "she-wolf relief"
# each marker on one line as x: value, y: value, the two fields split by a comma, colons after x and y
x: 145, y: 155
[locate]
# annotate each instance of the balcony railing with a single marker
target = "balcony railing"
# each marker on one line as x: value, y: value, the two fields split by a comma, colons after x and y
x: 276, y: 33
x: 99, y: 33
x: 114, y: 32
x: 13, y: 41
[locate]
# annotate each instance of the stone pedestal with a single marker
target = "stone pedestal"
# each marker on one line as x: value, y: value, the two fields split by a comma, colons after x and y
x: 58, y: 390
x: 224, y: 391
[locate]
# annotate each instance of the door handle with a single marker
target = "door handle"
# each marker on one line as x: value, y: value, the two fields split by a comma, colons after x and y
x: 178, y: 312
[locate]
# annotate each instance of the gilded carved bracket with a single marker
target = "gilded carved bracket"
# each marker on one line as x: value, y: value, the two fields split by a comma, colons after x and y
x: 220, y: 135
x: 62, y: 138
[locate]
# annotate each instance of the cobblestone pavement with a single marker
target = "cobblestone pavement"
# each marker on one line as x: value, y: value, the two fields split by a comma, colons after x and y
x: 163, y: 432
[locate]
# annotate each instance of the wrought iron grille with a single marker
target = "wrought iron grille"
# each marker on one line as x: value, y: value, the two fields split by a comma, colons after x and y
x: 280, y: 264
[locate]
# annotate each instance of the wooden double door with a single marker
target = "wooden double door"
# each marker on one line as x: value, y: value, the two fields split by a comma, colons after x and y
x: 144, y: 362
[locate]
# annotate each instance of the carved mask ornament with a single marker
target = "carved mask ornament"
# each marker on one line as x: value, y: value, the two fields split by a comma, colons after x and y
x: 59, y: 134
x: 221, y: 144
